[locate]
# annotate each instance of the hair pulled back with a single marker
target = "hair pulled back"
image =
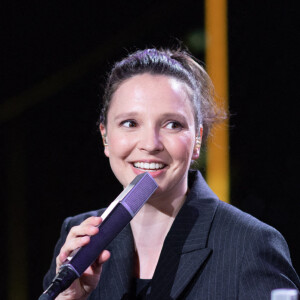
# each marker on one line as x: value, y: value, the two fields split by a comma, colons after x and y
x: 175, y: 63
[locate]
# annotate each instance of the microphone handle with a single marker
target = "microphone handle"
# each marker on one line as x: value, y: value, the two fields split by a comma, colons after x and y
x: 108, y: 230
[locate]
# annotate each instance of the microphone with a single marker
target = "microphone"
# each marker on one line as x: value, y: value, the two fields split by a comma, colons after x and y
x: 284, y: 294
x: 119, y: 213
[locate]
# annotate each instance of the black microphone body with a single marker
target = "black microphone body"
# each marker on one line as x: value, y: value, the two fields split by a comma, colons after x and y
x: 115, y: 218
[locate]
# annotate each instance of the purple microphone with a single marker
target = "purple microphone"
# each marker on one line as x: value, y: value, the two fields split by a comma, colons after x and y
x: 115, y: 218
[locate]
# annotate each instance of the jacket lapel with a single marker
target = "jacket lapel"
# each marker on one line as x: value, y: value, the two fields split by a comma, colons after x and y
x: 178, y: 272
x: 185, y: 248
x: 116, y: 276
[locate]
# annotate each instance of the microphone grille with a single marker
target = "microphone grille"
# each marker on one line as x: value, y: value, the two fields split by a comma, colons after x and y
x: 143, y: 187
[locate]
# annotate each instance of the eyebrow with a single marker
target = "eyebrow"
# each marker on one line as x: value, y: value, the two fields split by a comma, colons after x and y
x: 126, y: 115
x: 134, y: 114
x: 174, y: 116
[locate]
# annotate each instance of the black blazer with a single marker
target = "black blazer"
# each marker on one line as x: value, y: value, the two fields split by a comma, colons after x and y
x: 212, y: 251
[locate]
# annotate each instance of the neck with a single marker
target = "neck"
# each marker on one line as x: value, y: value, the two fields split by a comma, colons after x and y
x: 150, y: 228
x: 156, y: 218
x: 160, y: 209
x: 164, y: 204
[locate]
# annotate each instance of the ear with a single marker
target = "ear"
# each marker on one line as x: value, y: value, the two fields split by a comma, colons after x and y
x: 104, y: 139
x: 197, y: 147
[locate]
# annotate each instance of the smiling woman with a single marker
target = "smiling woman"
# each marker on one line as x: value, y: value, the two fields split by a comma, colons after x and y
x: 184, y: 243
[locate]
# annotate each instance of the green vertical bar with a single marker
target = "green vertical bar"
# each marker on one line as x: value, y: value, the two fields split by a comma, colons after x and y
x: 17, y: 218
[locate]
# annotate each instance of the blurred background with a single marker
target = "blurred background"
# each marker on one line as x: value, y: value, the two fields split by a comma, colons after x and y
x: 55, y: 57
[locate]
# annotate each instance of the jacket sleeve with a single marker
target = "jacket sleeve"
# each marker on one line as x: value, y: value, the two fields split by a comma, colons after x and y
x: 266, y: 265
x: 52, y: 271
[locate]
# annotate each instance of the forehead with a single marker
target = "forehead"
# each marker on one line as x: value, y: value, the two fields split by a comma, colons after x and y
x: 147, y: 89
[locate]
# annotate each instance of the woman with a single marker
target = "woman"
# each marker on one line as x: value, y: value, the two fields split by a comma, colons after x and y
x: 184, y: 243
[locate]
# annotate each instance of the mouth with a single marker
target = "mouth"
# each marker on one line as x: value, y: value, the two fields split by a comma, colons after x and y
x: 150, y: 167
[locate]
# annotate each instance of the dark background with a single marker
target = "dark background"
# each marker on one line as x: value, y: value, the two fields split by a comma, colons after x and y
x: 54, y: 60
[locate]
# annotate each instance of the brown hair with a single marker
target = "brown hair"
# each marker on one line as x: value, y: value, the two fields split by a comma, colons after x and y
x: 175, y: 63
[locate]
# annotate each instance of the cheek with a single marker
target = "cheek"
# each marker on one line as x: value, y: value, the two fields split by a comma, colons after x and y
x: 119, y: 145
x: 181, y: 147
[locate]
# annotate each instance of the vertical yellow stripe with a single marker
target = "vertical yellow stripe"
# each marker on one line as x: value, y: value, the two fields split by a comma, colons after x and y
x: 217, y: 68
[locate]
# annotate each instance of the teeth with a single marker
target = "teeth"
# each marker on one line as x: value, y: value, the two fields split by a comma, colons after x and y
x: 148, y: 166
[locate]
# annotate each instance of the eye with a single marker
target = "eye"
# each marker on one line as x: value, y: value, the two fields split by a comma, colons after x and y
x: 174, y: 125
x: 129, y: 123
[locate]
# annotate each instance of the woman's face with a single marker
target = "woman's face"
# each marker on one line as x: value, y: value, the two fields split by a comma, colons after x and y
x: 151, y: 127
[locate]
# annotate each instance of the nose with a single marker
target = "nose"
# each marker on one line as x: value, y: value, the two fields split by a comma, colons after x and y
x: 150, y: 141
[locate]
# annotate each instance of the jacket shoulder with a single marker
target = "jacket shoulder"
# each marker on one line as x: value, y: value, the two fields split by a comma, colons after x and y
x: 228, y: 215
x: 257, y: 255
